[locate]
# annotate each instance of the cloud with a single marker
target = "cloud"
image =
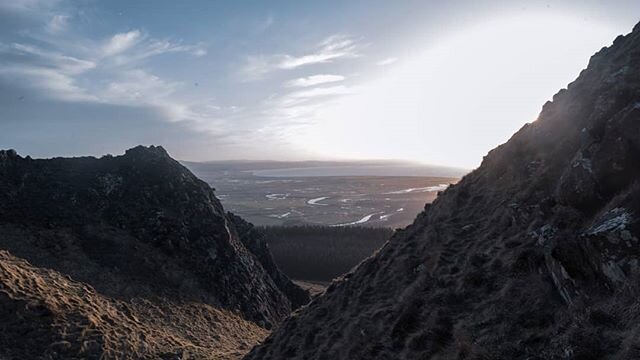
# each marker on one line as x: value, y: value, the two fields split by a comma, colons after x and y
x: 320, y: 91
x: 158, y: 47
x: 58, y: 23
x: 298, y: 107
x: 136, y: 85
x: 330, y: 49
x: 121, y: 42
x: 199, y: 51
x: 387, y: 61
x: 44, y: 127
x: 256, y: 67
x: 49, y: 73
x: 48, y: 82
x: 24, y: 54
x: 315, y: 80
x: 138, y: 88
x: 107, y: 73
x: 334, y: 47
x: 135, y: 46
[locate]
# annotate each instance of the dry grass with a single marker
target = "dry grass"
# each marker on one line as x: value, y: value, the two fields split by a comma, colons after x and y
x: 46, y: 314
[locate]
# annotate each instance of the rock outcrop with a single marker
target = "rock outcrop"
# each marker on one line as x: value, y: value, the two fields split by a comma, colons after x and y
x: 139, y: 233
x: 534, y: 255
x: 255, y: 242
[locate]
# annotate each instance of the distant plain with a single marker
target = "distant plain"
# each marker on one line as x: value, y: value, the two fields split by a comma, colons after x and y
x: 368, y: 193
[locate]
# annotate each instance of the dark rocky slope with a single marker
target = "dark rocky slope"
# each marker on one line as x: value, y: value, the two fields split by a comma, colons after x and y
x: 143, y: 235
x: 534, y: 255
x: 255, y: 242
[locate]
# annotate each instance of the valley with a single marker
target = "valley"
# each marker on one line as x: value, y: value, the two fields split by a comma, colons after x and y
x: 343, y: 194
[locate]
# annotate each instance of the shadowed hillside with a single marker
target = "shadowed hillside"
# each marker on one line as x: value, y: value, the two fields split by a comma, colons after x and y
x: 534, y: 255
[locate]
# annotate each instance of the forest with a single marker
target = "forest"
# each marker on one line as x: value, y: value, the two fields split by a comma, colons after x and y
x: 322, y: 253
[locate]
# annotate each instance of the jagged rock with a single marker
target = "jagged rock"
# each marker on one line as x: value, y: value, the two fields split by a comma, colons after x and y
x: 534, y: 255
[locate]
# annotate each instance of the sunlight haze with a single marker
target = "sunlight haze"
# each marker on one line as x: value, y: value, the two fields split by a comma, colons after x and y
x: 458, y: 98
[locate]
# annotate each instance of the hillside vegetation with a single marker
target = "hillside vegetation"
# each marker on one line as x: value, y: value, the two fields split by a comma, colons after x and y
x: 322, y: 253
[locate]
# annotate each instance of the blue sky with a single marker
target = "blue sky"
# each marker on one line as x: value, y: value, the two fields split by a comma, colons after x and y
x: 432, y: 81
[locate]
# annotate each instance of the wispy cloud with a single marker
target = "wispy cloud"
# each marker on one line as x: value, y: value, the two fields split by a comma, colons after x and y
x: 57, y: 24
x: 30, y: 55
x: 296, y: 108
x: 137, y: 85
x: 334, y: 47
x: 54, y: 84
x: 110, y: 72
x: 387, y: 61
x: 134, y: 46
x: 314, y: 80
x: 68, y: 78
x: 319, y: 91
x: 330, y: 49
x: 50, y: 72
x: 121, y: 42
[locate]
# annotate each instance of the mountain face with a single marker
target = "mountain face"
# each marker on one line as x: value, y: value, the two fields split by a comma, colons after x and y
x: 534, y: 255
x: 133, y: 250
x: 255, y: 242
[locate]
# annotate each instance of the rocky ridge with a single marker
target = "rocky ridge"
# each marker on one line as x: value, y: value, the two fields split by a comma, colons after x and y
x: 534, y: 255
x: 131, y: 237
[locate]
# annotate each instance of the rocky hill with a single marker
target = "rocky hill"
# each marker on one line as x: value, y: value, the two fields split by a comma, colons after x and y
x: 127, y: 256
x: 534, y: 255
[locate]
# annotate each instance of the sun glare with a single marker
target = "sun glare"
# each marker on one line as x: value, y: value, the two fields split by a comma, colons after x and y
x: 459, y: 96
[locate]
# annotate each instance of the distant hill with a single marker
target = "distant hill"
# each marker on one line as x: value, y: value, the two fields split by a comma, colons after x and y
x: 327, y: 168
x: 534, y: 255
x: 129, y: 256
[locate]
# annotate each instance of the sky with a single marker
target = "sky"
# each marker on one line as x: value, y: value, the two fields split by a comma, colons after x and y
x: 438, y: 82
